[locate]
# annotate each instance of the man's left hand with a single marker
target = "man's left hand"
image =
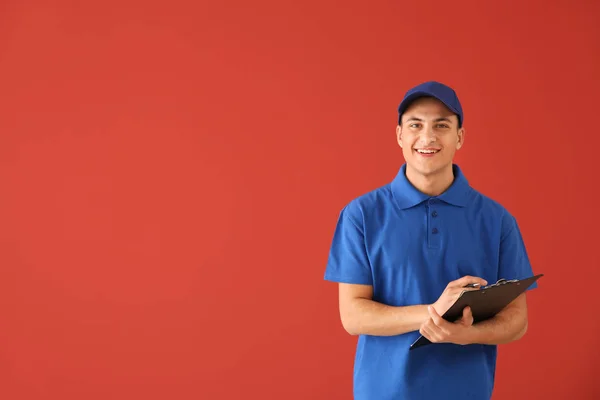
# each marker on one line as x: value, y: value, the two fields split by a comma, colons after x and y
x: 438, y: 330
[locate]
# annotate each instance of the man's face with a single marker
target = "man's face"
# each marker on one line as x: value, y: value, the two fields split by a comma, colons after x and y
x: 429, y: 136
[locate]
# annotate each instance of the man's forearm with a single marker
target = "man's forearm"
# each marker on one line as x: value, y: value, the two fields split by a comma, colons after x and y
x: 505, y: 327
x: 368, y: 317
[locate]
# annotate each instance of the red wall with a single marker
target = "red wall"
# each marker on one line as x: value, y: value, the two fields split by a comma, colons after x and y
x: 171, y: 175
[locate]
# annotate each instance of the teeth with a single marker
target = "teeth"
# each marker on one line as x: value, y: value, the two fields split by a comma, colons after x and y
x: 427, y: 151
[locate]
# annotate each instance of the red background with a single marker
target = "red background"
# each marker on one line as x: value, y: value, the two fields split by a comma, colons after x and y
x: 171, y: 174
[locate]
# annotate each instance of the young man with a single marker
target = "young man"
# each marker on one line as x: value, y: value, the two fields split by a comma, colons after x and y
x: 402, y: 254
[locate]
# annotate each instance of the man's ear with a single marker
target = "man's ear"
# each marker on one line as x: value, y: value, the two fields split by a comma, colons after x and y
x: 460, y: 138
x: 399, y: 135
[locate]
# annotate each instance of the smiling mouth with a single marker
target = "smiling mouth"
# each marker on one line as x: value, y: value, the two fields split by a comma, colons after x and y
x: 427, y: 151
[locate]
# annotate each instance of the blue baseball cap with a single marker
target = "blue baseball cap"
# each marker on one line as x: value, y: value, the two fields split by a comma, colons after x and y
x: 437, y: 90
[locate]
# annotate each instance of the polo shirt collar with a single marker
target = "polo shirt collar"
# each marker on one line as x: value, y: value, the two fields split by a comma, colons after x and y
x: 407, y: 195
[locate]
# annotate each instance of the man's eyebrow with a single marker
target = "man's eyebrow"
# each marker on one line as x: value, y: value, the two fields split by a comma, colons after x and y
x: 435, y: 120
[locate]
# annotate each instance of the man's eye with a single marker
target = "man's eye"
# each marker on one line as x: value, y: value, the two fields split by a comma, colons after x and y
x: 442, y: 126
x: 414, y: 125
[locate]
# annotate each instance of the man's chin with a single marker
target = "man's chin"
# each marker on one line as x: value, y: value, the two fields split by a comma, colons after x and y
x: 427, y: 169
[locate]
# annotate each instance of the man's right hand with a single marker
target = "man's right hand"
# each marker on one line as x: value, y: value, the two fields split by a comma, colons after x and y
x: 453, y: 291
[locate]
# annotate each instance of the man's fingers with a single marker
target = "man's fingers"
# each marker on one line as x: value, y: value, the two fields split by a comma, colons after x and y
x: 467, y: 316
x: 433, y: 332
x: 438, y: 330
x: 435, y: 317
x: 467, y: 313
x: 423, y: 331
x: 428, y: 331
x: 468, y: 280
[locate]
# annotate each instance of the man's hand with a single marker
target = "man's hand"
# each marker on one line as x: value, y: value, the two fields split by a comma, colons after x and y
x: 438, y: 330
x: 453, y: 291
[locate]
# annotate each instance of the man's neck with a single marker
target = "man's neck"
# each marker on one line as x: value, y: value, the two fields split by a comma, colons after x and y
x: 431, y: 185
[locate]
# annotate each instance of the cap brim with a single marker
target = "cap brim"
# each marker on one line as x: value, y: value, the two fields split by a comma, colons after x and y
x: 413, y: 96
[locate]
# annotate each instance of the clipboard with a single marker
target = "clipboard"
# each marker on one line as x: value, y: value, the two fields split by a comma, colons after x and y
x: 485, y: 302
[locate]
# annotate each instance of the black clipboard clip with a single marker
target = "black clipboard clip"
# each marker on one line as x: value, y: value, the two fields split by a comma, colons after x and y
x: 485, y: 302
x: 501, y: 282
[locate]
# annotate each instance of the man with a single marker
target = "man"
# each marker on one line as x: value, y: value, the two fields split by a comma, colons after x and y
x: 402, y: 253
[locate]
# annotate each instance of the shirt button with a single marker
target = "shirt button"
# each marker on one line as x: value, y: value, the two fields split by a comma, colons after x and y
x: 434, y: 231
x: 434, y: 214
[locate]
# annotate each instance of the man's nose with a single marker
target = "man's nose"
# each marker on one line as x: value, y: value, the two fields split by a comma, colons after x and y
x: 428, y: 135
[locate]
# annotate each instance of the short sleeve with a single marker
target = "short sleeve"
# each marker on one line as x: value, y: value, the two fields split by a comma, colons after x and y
x: 514, y: 261
x: 348, y: 261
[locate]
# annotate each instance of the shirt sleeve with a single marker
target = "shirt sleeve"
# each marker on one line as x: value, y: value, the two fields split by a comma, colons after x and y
x: 514, y: 261
x: 348, y: 261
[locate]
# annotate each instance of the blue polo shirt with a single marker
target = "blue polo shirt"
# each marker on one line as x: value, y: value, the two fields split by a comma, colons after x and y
x: 409, y: 246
